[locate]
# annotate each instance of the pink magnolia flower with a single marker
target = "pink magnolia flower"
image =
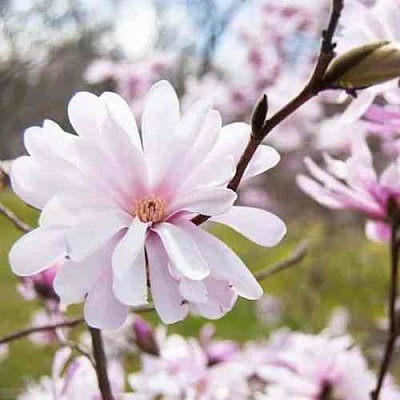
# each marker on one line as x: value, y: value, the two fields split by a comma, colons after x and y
x: 73, y: 380
x: 353, y: 184
x: 41, y: 285
x: 315, y: 367
x: 112, y: 199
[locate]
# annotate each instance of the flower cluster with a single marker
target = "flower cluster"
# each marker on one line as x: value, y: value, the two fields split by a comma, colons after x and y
x: 289, y: 365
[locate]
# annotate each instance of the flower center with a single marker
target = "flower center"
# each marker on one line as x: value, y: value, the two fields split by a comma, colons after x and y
x: 151, y: 209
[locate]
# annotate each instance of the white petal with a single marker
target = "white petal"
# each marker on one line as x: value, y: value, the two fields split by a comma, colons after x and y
x: 222, y: 298
x: 223, y: 262
x: 36, y: 251
x: 160, y: 121
x: 182, y: 251
x: 129, y: 247
x: 208, y: 201
x: 357, y: 107
x: 206, y: 139
x: 193, y: 291
x: 122, y: 113
x: 265, y: 158
x: 260, y: 226
x: 92, y: 232
x: 35, y: 183
x: 213, y: 172
x: 131, y: 286
x: 55, y: 213
x: 102, y: 309
x: 74, y: 280
x: 164, y: 289
x: 86, y: 113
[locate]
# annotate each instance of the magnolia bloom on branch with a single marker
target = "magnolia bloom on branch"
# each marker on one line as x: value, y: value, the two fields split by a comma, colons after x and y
x: 117, y: 207
x: 353, y: 184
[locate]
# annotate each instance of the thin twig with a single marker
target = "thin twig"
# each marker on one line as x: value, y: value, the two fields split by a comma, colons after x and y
x: 101, y: 364
x: 29, y: 331
x: 393, y: 333
x: 69, y: 323
x: 18, y: 223
x: 294, y: 258
x: 314, y: 86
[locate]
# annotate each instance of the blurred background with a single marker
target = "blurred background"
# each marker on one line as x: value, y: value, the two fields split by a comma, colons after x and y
x: 233, y: 51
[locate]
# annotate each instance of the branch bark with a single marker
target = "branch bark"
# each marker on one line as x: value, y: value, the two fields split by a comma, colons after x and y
x: 100, y: 364
x: 393, y: 332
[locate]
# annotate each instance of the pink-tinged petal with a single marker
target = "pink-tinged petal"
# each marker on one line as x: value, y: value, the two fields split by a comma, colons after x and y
x: 74, y: 280
x: 193, y: 291
x: 192, y: 124
x: 213, y: 172
x: 36, y: 251
x: 232, y: 141
x: 160, y: 121
x: 50, y: 144
x: 222, y: 298
x: 182, y: 252
x: 206, y: 140
x: 102, y: 309
x: 207, y: 200
x: 390, y: 178
x: 130, y: 287
x: 55, y: 213
x: 59, y: 362
x: 35, y: 183
x: 93, y: 231
x: 164, y: 289
x: 86, y: 113
x: 224, y: 264
x: 122, y: 114
x: 337, y: 168
x: 377, y: 231
x: 129, y: 247
x: 318, y: 192
x: 265, y: 158
x: 129, y: 160
x: 357, y: 107
x: 259, y: 226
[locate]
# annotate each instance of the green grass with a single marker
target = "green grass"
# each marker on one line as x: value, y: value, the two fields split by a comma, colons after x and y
x: 341, y: 269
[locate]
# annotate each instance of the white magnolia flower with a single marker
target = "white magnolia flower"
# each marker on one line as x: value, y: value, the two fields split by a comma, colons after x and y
x: 117, y: 206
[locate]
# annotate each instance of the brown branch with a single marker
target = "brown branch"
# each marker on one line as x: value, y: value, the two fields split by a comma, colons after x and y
x: 314, y: 86
x: 393, y: 332
x: 69, y: 323
x: 294, y: 258
x: 29, y: 331
x: 18, y: 223
x: 101, y: 364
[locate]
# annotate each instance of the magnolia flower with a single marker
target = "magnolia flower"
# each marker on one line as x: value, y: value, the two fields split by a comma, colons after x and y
x: 361, y: 24
x: 353, y: 184
x: 183, y: 370
x: 73, y: 380
x: 117, y: 207
x: 317, y: 367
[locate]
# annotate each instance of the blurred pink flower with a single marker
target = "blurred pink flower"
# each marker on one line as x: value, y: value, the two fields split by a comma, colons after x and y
x: 132, y: 80
x: 313, y: 367
x: 109, y: 194
x: 353, y: 184
x: 73, y: 380
x: 41, y: 284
